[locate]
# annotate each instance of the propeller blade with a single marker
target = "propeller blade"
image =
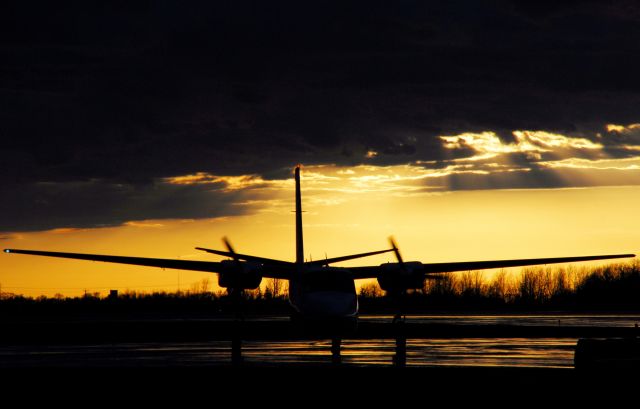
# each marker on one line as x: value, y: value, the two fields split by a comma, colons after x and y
x: 236, y: 259
x: 229, y: 247
x: 394, y: 246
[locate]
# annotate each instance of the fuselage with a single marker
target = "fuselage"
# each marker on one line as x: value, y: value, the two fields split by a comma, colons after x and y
x: 323, y: 293
x: 319, y: 292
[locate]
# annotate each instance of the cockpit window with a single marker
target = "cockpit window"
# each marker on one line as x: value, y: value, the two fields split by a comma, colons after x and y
x: 328, y: 281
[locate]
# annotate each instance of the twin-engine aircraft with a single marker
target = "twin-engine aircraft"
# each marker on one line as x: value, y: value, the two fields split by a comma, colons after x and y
x: 316, y: 289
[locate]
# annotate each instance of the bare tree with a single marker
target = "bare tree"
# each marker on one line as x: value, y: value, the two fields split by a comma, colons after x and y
x: 501, y: 286
x: 370, y: 290
x: 275, y: 288
x: 471, y: 283
x: 204, y: 286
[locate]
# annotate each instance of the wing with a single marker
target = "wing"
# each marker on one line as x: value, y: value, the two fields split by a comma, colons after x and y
x: 193, y: 265
x: 372, y: 272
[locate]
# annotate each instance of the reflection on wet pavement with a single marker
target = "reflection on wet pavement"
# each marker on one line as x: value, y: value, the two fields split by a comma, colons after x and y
x: 511, y: 352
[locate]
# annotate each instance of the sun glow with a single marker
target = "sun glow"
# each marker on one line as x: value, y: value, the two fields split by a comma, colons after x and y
x: 622, y: 128
x: 488, y: 144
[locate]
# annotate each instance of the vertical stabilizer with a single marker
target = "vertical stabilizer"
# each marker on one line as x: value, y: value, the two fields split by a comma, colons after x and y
x: 299, y: 241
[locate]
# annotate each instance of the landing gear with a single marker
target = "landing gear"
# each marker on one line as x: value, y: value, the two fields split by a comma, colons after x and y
x: 236, y: 350
x: 236, y: 296
x: 398, y: 322
x: 400, y: 358
x: 399, y: 301
x: 398, y: 294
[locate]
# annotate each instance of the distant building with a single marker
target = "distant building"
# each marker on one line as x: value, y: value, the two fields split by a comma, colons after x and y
x: 113, y: 294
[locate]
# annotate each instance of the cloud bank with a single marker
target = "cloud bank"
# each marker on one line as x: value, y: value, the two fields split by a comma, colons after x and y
x: 104, y: 107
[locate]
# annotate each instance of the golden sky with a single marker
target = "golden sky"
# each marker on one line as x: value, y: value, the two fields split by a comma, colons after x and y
x: 348, y: 210
x: 432, y: 209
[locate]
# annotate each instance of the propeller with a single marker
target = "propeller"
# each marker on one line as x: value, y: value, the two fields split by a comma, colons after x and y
x: 236, y: 260
x: 396, y: 251
x: 398, y: 316
x: 236, y: 293
x: 230, y: 249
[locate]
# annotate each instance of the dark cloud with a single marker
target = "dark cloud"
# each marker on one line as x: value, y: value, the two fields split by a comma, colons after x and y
x: 126, y: 92
x: 42, y: 206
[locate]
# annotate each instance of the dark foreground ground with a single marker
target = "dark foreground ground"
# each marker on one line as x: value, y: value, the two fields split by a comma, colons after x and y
x: 316, y: 387
x: 267, y: 382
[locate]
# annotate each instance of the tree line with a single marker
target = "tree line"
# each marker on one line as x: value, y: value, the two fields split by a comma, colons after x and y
x: 607, y: 288
x: 614, y: 287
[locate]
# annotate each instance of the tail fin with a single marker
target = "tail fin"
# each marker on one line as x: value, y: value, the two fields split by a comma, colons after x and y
x: 299, y: 241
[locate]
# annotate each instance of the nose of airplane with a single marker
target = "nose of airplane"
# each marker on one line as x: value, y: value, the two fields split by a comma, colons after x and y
x: 331, y: 304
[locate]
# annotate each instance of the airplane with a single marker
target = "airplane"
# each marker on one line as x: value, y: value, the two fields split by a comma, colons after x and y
x: 317, y: 290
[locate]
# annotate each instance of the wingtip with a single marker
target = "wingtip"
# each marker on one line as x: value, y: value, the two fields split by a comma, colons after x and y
x: 7, y: 250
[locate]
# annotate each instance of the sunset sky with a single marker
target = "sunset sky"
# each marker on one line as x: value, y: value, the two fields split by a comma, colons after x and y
x: 469, y: 130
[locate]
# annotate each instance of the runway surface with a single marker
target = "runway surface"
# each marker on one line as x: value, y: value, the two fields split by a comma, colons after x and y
x: 507, y: 341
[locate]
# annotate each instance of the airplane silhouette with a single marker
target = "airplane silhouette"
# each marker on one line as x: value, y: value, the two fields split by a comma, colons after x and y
x: 317, y: 291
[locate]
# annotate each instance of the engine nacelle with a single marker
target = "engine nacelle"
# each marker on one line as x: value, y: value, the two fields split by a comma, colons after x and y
x: 394, y: 277
x: 240, y: 275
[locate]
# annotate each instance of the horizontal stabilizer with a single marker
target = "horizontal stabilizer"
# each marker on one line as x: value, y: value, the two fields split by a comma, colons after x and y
x: 344, y: 258
x: 246, y: 257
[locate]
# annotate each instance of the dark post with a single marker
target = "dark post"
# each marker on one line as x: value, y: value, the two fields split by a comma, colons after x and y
x: 336, y: 359
x: 236, y: 350
x: 400, y: 358
x: 238, y: 326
